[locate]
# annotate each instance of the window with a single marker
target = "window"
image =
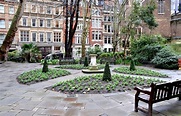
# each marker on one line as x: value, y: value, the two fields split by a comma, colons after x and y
x: 34, y: 36
x: 108, y: 39
x: 41, y: 10
x: 96, y: 35
x: 33, y: 8
x: 96, y: 23
x: 33, y: 22
x: 79, y: 26
x: 24, y: 36
x: 49, y: 10
x: 48, y: 22
x: 24, y: 21
x: 11, y: 10
x: 108, y: 28
x: 57, y: 36
x: 10, y: 23
x: 161, y: 6
x: 2, y: 23
x: 2, y: 37
x: 49, y: 36
x: 78, y: 39
x: 1, y: 8
x: 41, y: 22
x: 41, y: 37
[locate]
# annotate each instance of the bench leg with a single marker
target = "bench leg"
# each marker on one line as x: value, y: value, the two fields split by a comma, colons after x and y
x: 150, y: 109
x: 136, y: 105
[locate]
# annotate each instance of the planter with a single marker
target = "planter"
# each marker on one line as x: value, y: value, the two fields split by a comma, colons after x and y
x: 179, y: 63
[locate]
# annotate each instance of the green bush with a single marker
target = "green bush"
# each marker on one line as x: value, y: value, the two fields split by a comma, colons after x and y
x: 132, y: 65
x: 86, y: 62
x: 45, y: 67
x: 107, y: 73
x: 166, y: 58
x: 140, y: 47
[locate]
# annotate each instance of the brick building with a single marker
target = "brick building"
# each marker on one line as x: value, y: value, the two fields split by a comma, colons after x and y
x: 162, y: 15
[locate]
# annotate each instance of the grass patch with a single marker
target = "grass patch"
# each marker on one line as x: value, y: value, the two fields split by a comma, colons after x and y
x: 36, y: 75
x: 93, y: 84
x: 139, y: 71
x: 78, y: 66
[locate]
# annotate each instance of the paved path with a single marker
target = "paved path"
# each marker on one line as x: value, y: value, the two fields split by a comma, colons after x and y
x: 33, y: 100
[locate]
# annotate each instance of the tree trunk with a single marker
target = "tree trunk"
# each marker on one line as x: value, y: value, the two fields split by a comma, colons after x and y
x: 85, y: 28
x: 73, y: 12
x: 11, y: 32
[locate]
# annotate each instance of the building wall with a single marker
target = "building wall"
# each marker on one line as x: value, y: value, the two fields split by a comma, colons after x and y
x: 175, y: 24
x: 6, y: 16
x: 163, y: 19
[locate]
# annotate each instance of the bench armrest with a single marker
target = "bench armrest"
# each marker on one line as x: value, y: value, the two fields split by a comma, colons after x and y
x: 142, y: 91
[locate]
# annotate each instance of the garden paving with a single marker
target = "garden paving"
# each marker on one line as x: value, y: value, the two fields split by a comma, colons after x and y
x: 34, y: 100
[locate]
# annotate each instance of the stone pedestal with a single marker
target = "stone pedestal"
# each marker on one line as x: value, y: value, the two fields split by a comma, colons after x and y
x: 93, y: 64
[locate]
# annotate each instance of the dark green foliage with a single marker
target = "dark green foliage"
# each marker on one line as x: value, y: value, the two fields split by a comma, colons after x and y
x: 141, y: 46
x: 107, y: 73
x: 86, y: 62
x: 132, y: 65
x: 166, y: 58
x: 31, y: 52
x: 45, y: 67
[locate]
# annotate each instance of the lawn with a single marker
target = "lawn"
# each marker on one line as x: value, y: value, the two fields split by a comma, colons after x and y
x: 93, y: 84
x: 139, y: 71
x: 36, y: 75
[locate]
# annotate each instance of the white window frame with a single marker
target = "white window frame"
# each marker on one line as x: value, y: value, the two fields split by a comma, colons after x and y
x: 49, y: 22
x: 41, y: 23
x: 2, y: 23
x: 41, y: 35
x: 1, y: 8
x: 32, y: 36
x: 32, y: 23
x: 96, y: 35
x: 2, y: 37
x: 24, y: 23
x: 57, y: 36
x: 26, y: 37
x: 78, y: 39
x: 49, y: 36
x: 49, y: 10
x: 11, y: 10
x: 161, y: 6
x: 96, y: 23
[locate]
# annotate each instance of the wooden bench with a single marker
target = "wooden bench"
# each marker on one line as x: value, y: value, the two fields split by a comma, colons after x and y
x: 109, y: 60
x: 66, y: 61
x: 157, y: 93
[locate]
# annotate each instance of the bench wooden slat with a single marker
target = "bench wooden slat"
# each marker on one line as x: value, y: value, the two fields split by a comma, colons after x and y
x: 158, y: 93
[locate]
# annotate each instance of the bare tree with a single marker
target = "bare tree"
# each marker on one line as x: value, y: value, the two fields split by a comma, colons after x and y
x: 71, y: 13
x: 4, y: 49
